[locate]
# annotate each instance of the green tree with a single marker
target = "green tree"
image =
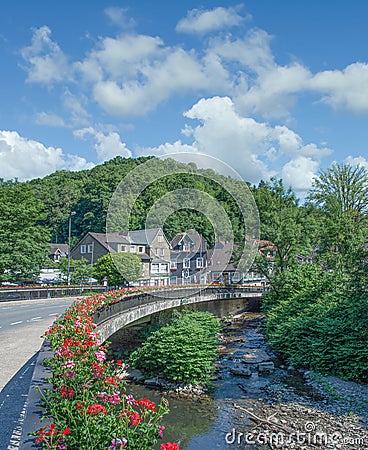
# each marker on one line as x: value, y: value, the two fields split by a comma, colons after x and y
x: 23, y: 243
x: 80, y: 270
x: 119, y: 268
x: 288, y: 227
x: 341, y: 193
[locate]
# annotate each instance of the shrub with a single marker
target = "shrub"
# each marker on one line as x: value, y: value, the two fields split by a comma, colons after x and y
x: 183, y: 350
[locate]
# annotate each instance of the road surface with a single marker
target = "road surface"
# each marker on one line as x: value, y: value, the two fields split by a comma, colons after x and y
x: 21, y: 325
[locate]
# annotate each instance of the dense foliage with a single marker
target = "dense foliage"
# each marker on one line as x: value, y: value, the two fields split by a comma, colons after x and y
x: 184, y: 350
x: 317, y: 308
x: 120, y: 269
x: 23, y: 246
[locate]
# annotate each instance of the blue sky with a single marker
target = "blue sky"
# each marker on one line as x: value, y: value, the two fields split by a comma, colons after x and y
x: 272, y: 88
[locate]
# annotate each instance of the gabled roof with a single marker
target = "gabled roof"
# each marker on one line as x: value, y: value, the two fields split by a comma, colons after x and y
x: 192, y: 236
x: 144, y: 237
x: 58, y: 248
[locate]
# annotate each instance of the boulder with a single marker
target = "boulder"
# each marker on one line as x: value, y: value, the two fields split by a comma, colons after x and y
x: 238, y: 372
x: 255, y: 356
x: 266, y: 367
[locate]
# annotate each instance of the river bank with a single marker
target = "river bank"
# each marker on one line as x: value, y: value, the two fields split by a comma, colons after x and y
x: 259, y: 403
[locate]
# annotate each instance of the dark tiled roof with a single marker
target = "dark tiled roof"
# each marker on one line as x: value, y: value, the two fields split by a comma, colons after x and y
x: 220, y: 256
x: 197, y: 239
x: 144, y: 237
x: 63, y: 248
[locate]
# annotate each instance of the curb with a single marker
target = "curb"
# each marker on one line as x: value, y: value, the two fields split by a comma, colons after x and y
x: 34, y: 409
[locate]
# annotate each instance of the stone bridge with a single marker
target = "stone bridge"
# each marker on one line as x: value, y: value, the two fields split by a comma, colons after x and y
x: 119, y: 315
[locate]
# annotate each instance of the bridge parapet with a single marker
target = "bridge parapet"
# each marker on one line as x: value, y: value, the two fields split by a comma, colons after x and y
x: 120, y: 314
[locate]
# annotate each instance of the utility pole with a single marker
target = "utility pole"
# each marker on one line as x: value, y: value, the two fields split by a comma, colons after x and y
x: 69, y: 236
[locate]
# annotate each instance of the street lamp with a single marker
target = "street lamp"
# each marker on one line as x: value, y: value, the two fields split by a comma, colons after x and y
x: 73, y: 213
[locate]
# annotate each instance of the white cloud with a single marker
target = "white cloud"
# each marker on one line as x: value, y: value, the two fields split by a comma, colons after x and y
x: 252, y: 52
x: 356, y: 161
x: 200, y: 22
x: 118, y: 16
x: 74, y: 105
x: 275, y: 91
x: 346, y: 89
x: 107, y: 146
x: 24, y: 158
x: 178, y: 72
x: 121, y: 58
x: 49, y: 119
x: 46, y: 62
x: 299, y: 173
x: 253, y: 148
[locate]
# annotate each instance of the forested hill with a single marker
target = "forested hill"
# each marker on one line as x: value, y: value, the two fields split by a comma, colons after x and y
x: 88, y: 193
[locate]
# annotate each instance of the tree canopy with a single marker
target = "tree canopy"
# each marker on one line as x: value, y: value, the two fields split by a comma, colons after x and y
x: 23, y: 242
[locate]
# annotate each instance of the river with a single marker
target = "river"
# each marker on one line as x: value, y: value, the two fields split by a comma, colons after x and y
x: 262, y: 402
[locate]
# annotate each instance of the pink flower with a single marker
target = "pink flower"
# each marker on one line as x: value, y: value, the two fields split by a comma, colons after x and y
x: 68, y: 365
x: 114, y: 399
x: 101, y: 356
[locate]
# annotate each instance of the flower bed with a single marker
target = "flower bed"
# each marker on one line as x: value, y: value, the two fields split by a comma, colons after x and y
x: 88, y: 403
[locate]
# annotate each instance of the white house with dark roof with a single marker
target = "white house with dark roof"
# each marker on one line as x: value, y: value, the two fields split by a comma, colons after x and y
x: 150, y: 245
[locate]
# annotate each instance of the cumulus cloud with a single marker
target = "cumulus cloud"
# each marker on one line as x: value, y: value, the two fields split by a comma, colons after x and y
x: 255, y: 149
x: 178, y: 72
x: 45, y: 62
x: 356, y: 161
x: 107, y: 145
x: 199, y: 22
x: 344, y: 89
x: 16, y: 152
x: 299, y: 173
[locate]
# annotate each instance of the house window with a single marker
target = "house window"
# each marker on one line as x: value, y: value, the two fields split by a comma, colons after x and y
x: 155, y: 268
x: 163, y: 268
x: 141, y: 249
x: 162, y: 252
x: 186, y: 263
x: 83, y: 249
x: 186, y: 247
x: 199, y: 263
x: 173, y: 265
x: 160, y: 238
x: 90, y: 248
x: 132, y: 249
x: 123, y: 248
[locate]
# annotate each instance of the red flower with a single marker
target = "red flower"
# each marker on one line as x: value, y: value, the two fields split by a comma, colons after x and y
x: 147, y: 404
x: 66, y: 391
x: 66, y: 432
x: 135, y: 418
x: 169, y: 446
x: 96, y: 409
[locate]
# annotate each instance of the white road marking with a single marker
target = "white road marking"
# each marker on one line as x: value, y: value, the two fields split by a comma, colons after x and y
x: 54, y: 314
x: 36, y: 318
x: 16, y: 323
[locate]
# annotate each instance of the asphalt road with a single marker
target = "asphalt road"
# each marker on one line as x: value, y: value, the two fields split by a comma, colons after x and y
x: 21, y: 325
x: 20, y: 313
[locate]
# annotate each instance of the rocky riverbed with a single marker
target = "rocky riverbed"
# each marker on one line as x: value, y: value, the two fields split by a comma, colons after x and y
x: 259, y: 402
x: 287, y: 408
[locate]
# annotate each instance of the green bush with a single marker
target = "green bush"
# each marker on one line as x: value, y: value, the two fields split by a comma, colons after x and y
x: 323, y: 325
x: 183, y: 350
